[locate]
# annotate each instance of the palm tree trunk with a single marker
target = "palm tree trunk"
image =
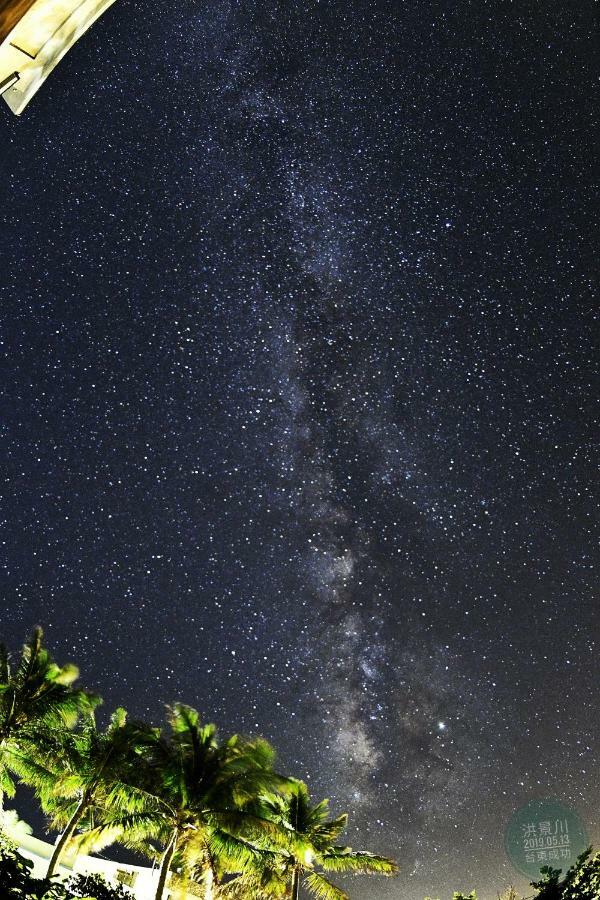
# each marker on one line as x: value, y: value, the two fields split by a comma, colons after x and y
x: 66, y: 836
x: 2, y: 741
x: 295, y: 885
x: 209, y: 882
x: 165, y: 865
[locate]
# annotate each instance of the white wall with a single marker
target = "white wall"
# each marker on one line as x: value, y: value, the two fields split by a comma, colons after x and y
x: 39, y: 852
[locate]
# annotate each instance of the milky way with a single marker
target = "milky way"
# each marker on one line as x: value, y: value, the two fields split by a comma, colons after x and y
x: 297, y: 321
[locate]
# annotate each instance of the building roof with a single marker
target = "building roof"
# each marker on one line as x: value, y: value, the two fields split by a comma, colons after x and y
x: 34, y: 37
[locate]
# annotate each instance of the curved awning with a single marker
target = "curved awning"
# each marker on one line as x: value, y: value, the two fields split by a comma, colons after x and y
x: 34, y: 37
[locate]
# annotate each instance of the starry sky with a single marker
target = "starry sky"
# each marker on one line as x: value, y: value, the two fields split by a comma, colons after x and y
x: 298, y: 397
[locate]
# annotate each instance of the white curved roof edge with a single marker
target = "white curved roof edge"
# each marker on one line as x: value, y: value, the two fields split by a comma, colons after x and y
x: 140, y: 881
x: 39, y: 41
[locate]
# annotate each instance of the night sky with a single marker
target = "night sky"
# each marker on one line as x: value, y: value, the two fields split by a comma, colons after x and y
x: 298, y: 395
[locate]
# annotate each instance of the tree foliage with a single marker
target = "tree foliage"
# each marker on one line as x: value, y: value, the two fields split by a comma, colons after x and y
x: 36, y: 696
x: 214, y: 812
x: 311, y: 851
x: 581, y: 882
x: 87, y: 886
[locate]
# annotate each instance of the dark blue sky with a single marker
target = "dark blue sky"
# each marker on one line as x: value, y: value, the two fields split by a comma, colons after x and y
x: 298, y: 398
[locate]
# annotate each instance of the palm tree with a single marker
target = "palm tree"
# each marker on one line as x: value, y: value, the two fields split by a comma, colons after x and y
x: 78, y: 774
x: 261, y: 878
x: 248, y: 869
x: 37, y: 694
x: 316, y: 834
x: 203, y: 789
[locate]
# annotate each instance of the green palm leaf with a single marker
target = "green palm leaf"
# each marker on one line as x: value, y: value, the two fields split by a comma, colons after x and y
x: 343, y: 859
x: 323, y: 889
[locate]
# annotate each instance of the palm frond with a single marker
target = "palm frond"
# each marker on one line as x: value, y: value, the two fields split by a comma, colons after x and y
x: 323, y: 889
x: 241, y: 823
x: 238, y: 855
x: 7, y: 784
x: 329, y: 831
x: 130, y: 830
x: 344, y: 859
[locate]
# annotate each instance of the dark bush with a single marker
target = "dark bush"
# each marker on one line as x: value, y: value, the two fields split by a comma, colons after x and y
x: 95, y: 886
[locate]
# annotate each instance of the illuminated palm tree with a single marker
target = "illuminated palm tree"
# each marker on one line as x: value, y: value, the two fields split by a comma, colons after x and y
x: 248, y: 869
x: 36, y: 695
x: 315, y: 834
x: 263, y: 877
x: 79, y: 774
x: 202, y: 791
